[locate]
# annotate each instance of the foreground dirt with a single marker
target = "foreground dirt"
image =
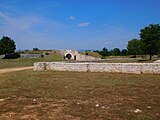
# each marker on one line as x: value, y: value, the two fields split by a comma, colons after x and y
x: 2, y: 71
x: 48, y: 95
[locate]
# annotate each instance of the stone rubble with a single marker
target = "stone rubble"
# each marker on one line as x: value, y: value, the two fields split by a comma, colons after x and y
x: 137, y: 111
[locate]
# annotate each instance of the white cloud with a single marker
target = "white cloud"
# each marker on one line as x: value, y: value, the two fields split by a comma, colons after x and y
x: 29, y: 23
x: 29, y: 31
x: 83, y: 24
x: 72, y: 18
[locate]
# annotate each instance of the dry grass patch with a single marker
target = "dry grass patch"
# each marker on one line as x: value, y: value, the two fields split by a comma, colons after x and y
x: 79, y: 96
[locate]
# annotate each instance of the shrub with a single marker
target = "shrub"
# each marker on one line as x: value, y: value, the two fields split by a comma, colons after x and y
x: 12, y: 56
x: 42, y: 56
x: 35, y: 49
x: 47, y: 53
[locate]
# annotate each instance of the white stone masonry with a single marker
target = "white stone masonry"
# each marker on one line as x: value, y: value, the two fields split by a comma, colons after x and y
x: 135, y: 68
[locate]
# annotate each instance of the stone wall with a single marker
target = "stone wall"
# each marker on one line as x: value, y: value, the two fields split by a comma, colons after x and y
x: 81, y: 57
x: 135, y: 68
x: 30, y: 55
x: 2, y: 56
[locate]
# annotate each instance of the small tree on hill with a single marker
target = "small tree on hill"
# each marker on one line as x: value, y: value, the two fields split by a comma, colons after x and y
x: 7, y: 46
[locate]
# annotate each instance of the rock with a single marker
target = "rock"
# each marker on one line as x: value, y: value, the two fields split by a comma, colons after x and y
x: 14, y: 96
x: 149, y: 107
x: 1, y: 100
x: 103, y: 107
x: 2, y: 56
x: 137, y: 111
x: 96, y: 101
x: 108, y: 107
x: 157, y: 61
x: 97, y: 105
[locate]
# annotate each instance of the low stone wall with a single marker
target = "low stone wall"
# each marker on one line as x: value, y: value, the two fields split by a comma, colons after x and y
x: 135, y: 68
x: 81, y: 57
x: 30, y: 55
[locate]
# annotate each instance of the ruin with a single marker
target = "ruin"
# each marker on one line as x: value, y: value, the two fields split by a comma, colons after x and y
x: 89, y: 65
x: 75, y: 55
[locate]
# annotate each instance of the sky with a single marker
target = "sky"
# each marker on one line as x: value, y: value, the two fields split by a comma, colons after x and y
x: 76, y: 24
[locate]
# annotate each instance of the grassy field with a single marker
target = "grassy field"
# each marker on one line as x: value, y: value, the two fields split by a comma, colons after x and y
x: 21, y: 62
x: 56, y: 56
x: 127, y: 60
x: 79, y: 96
x: 10, y: 63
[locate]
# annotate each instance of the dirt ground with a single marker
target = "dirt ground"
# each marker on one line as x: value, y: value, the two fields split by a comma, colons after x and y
x: 50, y: 95
x: 3, y: 71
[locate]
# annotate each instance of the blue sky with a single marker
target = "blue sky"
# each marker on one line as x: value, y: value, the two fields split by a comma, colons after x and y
x: 75, y: 24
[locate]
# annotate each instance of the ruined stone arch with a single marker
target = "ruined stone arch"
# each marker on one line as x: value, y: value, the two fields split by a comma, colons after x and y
x: 69, y: 56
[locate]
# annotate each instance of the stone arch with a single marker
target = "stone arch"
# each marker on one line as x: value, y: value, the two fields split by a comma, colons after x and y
x: 68, y: 56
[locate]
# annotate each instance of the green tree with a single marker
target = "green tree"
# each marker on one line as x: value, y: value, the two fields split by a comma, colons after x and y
x: 150, y: 36
x: 116, y: 52
x: 7, y: 46
x: 35, y: 49
x: 104, y: 52
x: 124, y: 52
x: 135, y: 47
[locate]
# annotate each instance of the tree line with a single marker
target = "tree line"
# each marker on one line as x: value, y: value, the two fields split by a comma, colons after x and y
x: 115, y: 52
x: 149, y: 43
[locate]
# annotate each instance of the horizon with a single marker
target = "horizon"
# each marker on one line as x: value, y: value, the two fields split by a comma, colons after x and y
x: 75, y: 24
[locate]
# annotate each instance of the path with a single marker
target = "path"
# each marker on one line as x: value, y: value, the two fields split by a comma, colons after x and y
x: 2, y: 71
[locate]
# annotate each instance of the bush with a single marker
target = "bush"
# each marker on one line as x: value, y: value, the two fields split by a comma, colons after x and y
x: 42, y: 56
x: 12, y: 56
x: 47, y: 53
x: 158, y: 54
x: 35, y: 49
